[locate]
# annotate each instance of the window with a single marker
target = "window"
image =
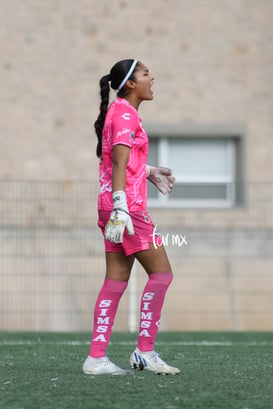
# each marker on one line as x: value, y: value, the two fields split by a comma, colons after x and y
x: 205, y: 167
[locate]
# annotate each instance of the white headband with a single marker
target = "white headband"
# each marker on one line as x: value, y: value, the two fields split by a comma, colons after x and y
x: 128, y: 75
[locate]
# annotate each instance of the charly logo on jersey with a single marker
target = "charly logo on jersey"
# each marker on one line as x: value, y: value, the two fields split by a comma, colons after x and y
x: 126, y: 116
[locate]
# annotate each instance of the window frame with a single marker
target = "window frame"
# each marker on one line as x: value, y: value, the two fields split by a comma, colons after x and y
x: 235, y: 133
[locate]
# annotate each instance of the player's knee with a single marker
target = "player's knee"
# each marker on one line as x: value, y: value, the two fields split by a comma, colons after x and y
x: 162, y: 278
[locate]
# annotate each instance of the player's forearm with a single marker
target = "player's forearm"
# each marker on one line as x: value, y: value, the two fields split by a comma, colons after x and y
x: 118, y: 177
x: 120, y: 159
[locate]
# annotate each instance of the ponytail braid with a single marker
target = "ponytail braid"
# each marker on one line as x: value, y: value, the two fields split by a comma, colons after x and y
x: 104, y: 94
x: 117, y: 74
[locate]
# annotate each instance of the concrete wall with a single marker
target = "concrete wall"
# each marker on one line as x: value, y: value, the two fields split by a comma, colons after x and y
x: 213, y: 65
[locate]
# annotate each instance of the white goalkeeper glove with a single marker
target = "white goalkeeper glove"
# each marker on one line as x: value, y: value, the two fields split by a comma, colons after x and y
x: 119, y: 219
x: 161, y: 177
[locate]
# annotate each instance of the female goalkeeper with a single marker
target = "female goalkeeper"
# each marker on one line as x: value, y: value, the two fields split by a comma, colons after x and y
x: 124, y: 220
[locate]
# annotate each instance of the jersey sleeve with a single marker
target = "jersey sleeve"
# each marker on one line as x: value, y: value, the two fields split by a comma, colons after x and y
x: 124, y: 126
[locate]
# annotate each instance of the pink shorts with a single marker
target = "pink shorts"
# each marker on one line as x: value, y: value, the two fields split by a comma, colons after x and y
x: 145, y: 233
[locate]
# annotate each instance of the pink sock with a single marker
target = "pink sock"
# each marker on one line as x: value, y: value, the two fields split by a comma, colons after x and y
x: 104, y: 315
x: 150, y: 309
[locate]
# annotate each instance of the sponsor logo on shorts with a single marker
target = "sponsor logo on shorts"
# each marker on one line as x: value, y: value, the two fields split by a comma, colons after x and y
x: 146, y: 217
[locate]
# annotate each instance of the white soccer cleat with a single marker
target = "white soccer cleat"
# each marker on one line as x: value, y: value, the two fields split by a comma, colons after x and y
x: 102, y: 366
x: 152, y: 362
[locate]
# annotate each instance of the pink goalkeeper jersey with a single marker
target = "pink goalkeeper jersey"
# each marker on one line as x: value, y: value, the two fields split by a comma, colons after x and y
x: 123, y: 126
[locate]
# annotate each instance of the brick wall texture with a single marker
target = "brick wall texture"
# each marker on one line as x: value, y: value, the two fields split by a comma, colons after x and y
x: 213, y: 66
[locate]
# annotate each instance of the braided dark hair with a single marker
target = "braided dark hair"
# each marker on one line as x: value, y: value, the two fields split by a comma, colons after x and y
x: 116, y: 76
x: 104, y: 94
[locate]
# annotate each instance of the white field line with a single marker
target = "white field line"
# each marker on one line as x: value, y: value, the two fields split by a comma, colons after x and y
x: 131, y: 343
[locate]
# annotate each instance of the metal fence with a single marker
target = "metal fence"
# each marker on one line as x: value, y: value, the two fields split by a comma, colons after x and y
x: 52, y: 261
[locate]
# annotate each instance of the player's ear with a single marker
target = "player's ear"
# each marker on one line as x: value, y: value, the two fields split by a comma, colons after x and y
x: 130, y: 84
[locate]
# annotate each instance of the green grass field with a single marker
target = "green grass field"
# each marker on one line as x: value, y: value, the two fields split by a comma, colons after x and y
x: 218, y: 370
